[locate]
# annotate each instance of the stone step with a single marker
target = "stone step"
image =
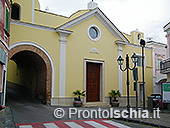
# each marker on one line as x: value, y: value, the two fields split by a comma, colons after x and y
x: 96, y: 104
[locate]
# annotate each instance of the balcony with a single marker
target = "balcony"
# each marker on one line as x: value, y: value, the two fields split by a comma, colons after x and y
x: 165, y: 66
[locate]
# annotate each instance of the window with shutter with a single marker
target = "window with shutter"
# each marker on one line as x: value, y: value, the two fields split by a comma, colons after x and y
x: 6, y: 19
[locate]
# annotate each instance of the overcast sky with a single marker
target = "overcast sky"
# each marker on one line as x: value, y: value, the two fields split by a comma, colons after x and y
x: 148, y: 16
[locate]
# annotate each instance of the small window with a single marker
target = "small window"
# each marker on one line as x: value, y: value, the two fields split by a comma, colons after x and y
x: 15, y: 14
x: 159, y: 64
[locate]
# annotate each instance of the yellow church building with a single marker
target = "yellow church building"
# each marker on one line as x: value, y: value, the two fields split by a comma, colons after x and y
x: 52, y: 55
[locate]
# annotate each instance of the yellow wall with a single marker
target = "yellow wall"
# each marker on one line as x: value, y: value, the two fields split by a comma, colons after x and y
x: 50, y: 42
x: 21, y: 76
x: 78, y: 48
x: 13, y: 72
x: 48, y: 19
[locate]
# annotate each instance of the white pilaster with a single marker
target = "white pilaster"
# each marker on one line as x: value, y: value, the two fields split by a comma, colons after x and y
x: 120, y: 51
x: 62, y: 73
x: 154, y: 75
x: 33, y: 7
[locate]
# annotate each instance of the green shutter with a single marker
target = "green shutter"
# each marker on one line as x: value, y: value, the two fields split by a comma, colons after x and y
x: 6, y: 19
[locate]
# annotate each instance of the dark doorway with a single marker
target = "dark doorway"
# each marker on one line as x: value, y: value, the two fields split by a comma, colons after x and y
x: 31, y: 75
x: 93, y: 82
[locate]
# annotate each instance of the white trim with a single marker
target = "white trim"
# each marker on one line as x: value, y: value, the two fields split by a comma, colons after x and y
x: 5, y: 69
x: 102, y: 78
x: 48, y: 55
x: 4, y: 43
x: 100, y: 15
x: 62, y: 73
x: 111, y: 27
x: 98, y: 31
x: 120, y: 51
x: 154, y: 75
x: 134, y: 37
x: 33, y: 6
x: 64, y: 31
x: 94, y: 50
x: 62, y: 68
x: 167, y: 26
x: 29, y: 25
x: 138, y: 46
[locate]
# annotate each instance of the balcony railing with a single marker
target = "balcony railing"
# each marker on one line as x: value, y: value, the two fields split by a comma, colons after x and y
x: 165, y: 66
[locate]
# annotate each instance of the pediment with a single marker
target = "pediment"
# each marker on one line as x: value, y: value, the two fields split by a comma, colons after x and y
x: 101, y: 17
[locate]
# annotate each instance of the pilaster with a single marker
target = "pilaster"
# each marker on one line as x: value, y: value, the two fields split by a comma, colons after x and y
x: 120, y: 51
x: 62, y: 73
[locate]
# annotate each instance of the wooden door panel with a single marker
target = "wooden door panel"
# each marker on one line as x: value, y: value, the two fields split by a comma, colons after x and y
x: 93, y: 82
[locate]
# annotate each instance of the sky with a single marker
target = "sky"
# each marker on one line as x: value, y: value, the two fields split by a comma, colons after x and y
x: 148, y: 16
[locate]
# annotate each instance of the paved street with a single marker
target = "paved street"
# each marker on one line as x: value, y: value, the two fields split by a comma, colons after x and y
x: 30, y: 112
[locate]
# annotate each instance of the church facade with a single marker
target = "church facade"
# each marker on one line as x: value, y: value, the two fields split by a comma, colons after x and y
x: 52, y: 55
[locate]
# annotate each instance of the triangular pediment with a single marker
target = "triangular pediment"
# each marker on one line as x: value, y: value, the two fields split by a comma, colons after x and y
x: 101, y: 17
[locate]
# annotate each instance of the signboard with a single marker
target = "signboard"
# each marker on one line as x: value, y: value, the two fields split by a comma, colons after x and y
x: 166, y: 91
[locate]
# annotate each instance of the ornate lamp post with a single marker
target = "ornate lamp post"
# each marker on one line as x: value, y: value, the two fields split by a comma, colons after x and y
x: 127, y: 68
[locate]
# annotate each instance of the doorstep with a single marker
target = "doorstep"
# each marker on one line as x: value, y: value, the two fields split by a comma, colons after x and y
x: 96, y: 104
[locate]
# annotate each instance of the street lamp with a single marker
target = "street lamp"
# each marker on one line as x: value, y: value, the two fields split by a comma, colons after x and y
x: 142, y: 42
x: 120, y: 62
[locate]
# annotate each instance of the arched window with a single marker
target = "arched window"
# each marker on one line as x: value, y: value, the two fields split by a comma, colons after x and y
x: 16, y: 11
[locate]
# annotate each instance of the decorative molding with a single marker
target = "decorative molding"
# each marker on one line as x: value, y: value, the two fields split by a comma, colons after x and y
x: 48, y: 55
x: 94, y: 50
x: 30, y: 25
x: 64, y: 32
x: 102, y: 17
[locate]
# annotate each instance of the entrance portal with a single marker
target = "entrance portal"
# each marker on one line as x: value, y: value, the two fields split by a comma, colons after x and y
x: 93, y: 82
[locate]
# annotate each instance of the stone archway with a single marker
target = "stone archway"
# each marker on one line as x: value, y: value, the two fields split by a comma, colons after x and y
x: 33, y: 49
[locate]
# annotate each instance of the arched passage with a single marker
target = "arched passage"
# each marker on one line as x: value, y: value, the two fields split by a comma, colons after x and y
x: 34, y: 71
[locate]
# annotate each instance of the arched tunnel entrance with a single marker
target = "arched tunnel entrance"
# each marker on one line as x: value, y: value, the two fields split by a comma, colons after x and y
x: 29, y: 72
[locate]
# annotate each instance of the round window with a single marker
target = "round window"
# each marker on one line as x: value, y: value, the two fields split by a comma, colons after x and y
x: 94, y: 32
